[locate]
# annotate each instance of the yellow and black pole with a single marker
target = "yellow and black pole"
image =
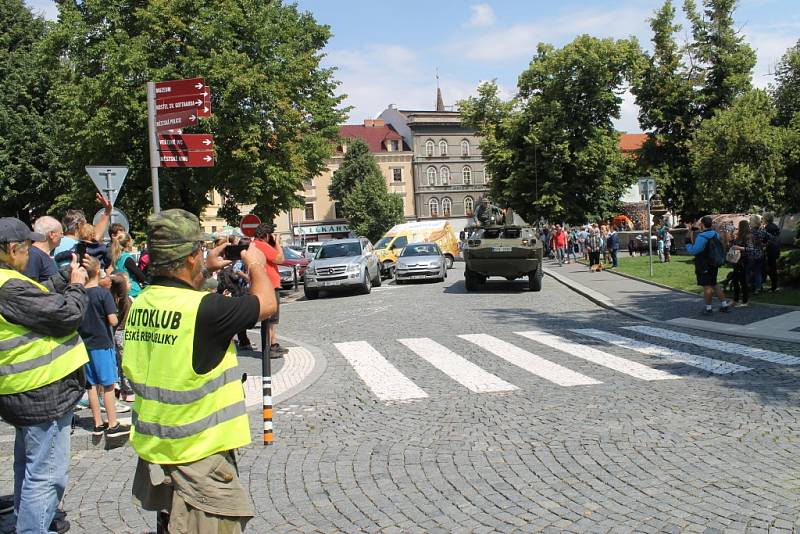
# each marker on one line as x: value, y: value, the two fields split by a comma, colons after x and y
x: 266, y: 382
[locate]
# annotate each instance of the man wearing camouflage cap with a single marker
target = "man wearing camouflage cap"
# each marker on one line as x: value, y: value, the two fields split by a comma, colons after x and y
x: 189, y: 414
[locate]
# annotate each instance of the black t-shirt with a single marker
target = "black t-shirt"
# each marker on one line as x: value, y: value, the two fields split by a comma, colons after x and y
x: 94, y: 329
x: 219, y: 318
x: 40, y: 266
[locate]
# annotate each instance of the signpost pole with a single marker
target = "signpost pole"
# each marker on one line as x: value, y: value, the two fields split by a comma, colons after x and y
x: 151, y: 132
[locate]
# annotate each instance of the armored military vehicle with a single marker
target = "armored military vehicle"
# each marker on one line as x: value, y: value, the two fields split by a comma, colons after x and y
x: 508, y: 250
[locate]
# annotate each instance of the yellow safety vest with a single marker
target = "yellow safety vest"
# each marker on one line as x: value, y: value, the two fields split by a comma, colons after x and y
x: 178, y: 415
x: 29, y: 360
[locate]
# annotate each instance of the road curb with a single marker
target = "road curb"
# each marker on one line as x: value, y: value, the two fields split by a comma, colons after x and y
x: 717, y: 328
x: 595, y: 296
x: 320, y: 364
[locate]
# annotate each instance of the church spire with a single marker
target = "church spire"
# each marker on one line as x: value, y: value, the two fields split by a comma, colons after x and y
x: 439, y: 99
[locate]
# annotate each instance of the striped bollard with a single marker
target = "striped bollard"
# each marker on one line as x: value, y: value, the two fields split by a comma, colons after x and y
x: 266, y: 383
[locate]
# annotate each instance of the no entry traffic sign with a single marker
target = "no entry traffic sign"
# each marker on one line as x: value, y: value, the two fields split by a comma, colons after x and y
x: 249, y: 224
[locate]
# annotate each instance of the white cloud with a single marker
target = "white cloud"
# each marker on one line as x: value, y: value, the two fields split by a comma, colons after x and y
x: 520, y: 40
x: 482, y: 15
x: 379, y: 75
x: 629, y: 115
x: 45, y: 8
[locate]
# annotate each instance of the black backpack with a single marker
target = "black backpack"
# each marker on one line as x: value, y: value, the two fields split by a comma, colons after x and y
x: 715, y: 253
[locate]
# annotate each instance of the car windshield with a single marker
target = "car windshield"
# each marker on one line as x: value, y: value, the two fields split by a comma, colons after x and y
x: 291, y: 254
x: 339, y: 250
x: 420, y: 250
x: 383, y: 242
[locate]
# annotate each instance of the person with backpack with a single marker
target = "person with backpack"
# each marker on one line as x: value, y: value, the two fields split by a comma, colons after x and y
x: 709, y: 256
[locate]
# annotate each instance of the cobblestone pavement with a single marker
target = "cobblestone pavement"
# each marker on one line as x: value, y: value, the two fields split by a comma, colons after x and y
x: 605, y: 428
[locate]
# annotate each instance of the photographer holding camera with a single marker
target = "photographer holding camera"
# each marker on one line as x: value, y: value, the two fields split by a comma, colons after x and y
x: 269, y: 246
x: 706, y: 247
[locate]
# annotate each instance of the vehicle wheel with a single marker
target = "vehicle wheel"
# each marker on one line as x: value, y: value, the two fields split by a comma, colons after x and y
x: 310, y: 294
x: 387, y: 268
x: 448, y: 261
x: 376, y: 282
x: 535, y: 279
x: 366, y: 286
x: 470, y: 280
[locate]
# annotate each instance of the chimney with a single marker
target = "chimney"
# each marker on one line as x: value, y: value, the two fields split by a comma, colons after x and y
x: 374, y: 123
x: 439, y: 100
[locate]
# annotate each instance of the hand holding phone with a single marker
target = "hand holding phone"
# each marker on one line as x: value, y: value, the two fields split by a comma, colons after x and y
x: 234, y: 252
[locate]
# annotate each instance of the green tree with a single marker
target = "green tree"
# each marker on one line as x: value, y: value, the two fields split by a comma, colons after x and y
x: 553, y: 151
x: 360, y: 187
x: 719, y: 55
x: 356, y: 165
x: 370, y: 209
x: 737, y: 157
x: 667, y: 109
x: 792, y: 154
x: 29, y: 157
x: 275, y: 111
x: 786, y: 90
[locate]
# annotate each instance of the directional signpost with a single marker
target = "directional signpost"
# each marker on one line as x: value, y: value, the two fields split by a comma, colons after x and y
x: 172, y: 106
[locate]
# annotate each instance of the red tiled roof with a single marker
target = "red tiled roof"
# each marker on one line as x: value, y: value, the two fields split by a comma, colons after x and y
x: 374, y: 136
x: 631, y: 142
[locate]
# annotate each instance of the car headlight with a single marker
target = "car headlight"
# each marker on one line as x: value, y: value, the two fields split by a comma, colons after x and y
x: 353, y: 268
x: 310, y: 270
x: 401, y: 267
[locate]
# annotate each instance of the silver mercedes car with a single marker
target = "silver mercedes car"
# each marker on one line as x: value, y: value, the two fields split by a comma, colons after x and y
x: 343, y: 263
x: 420, y: 261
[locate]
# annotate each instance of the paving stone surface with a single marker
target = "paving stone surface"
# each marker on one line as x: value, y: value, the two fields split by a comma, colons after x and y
x: 700, y: 452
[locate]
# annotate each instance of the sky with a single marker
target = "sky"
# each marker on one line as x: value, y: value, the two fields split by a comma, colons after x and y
x: 390, y: 52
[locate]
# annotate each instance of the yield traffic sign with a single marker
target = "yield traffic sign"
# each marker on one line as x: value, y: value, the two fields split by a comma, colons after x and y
x: 249, y: 224
x: 193, y: 86
x: 201, y: 158
x: 107, y: 179
x: 185, y: 142
x: 173, y: 121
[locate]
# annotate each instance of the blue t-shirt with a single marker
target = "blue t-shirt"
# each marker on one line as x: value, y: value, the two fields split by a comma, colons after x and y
x: 40, y: 266
x: 94, y: 329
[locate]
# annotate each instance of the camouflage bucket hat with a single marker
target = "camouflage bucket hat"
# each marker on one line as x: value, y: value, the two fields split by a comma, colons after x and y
x: 172, y: 235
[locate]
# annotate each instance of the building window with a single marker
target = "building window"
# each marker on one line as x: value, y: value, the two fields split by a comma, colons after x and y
x: 442, y: 147
x: 466, y: 174
x: 397, y: 174
x: 213, y: 229
x: 465, y: 148
x: 309, y: 212
x: 429, y: 148
x: 431, y: 175
x: 394, y: 145
x: 444, y: 173
x: 487, y: 176
x: 433, y: 205
x: 338, y: 210
x: 469, y: 205
x: 447, y: 207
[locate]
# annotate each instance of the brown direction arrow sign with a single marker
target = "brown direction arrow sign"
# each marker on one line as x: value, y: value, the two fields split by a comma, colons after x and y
x: 205, y: 111
x: 202, y: 158
x: 176, y: 104
x: 170, y: 88
x: 185, y: 142
x: 173, y: 121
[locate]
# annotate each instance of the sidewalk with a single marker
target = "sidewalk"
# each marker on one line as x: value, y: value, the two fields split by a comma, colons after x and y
x: 649, y: 302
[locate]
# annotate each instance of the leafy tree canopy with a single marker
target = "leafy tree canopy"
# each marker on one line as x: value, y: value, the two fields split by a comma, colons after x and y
x: 786, y: 90
x: 553, y: 150
x: 737, y: 157
x: 356, y: 165
x: 275, y: 111
x: 29, y: 156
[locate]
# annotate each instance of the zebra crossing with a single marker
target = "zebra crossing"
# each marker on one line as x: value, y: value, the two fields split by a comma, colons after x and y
x: 388, y: 383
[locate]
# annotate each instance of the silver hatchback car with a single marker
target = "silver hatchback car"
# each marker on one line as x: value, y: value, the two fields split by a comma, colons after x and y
x: 420, y: 261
